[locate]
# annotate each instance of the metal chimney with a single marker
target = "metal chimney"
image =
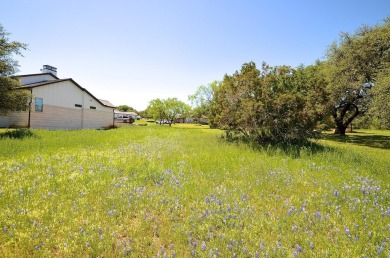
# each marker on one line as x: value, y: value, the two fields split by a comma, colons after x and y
x: 49, y: 69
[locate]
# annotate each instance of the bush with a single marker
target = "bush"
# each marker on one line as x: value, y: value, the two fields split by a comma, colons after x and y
x: 276, y: 104
x: 18, y: 134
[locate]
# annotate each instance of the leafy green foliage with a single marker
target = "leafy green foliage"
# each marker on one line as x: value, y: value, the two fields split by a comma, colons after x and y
x: 175, y: 108
x: 357, y: 59
x: 156, y: 109
x: 275, y: 104
x: 202, y: 99
x: 10, y: 99
x: 17, y: 134
x: 167, y: 109
x: 126, y: 108
x: 380, y: 106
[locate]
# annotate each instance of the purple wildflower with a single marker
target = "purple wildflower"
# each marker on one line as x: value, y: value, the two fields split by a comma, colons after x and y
x: 347, y: 232
x: 203, y: 246
x: 336, y: 193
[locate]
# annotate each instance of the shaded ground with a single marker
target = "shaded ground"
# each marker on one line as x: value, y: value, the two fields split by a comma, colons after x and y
x: 369, y: 139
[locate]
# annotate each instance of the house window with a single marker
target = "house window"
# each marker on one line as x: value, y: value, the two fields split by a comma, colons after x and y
x: 38, y: 104
x: 78, y: 105
x: 92, y: 107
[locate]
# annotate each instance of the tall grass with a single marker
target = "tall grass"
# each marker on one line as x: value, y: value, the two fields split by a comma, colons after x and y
x: 182, y: 191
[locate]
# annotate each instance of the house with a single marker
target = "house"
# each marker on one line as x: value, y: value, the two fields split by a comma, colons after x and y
x: 59, y: 104
x: 122, y: 117
x: 192, y: 120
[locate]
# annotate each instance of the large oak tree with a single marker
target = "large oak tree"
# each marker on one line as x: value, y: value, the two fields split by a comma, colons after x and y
x: 355, y: 64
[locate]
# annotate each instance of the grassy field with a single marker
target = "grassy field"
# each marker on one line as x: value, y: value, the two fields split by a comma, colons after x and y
x: 155, y: 191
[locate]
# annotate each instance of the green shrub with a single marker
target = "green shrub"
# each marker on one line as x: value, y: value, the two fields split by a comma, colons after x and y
x: 18, y: 134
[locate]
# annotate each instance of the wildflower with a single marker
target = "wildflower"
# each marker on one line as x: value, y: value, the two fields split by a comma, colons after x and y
x: 298, y: 248
x: 336, y: 193
x: 317, y: 214
x: 292, y: 208
x: 347, y: 232
x: 379, y: 249
x: 203, y: 246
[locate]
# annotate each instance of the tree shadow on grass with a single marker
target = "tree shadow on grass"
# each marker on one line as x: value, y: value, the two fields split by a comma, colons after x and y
x: 362, y: 138
x: 190, y: 126
x: 295, y: 150
x: 292, y: 150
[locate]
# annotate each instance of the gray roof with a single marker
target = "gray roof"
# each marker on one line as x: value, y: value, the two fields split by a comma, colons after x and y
x: 107, y: 103
x: 37, y: 74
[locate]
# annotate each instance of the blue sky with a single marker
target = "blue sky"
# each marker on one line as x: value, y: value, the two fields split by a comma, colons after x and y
x: 130, y: 52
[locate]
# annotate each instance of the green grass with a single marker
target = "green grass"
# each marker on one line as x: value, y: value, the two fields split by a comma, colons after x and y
x: 144, y: 191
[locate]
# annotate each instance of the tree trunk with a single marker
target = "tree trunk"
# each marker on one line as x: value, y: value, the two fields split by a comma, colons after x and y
x: 341, y: 126
x: 340, y: 130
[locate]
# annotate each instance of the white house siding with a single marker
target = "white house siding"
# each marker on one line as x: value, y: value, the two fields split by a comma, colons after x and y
x: 35, y: 78
x: 19, y: 119
x: 97, y: 118
x: 54, y: 117
x: 100, y: 117
x: 4, y: 121
x: 62, y: 94
x: 14, y: 120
